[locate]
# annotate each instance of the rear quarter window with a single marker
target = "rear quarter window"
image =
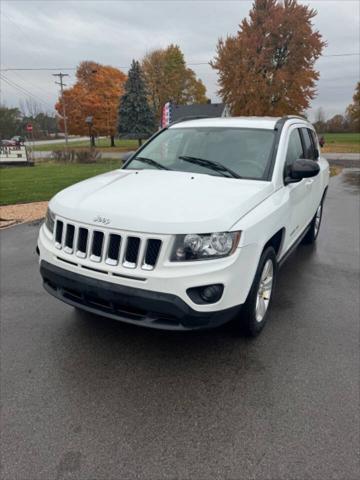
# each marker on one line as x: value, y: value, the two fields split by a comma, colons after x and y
x: 309, y: 147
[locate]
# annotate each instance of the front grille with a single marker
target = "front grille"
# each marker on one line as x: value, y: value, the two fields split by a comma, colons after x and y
x: 119, y: 250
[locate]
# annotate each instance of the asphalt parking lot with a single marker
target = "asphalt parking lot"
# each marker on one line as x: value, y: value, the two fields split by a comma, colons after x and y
x: 88, y: 398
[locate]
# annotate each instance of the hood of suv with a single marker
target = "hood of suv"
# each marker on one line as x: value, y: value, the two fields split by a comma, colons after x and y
x: 161, y: 202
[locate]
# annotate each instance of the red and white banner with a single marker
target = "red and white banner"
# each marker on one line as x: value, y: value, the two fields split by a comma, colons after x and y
x: 166, y: 115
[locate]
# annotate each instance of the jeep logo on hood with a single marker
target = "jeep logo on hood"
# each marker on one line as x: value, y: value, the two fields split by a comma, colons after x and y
x: 103, y: 220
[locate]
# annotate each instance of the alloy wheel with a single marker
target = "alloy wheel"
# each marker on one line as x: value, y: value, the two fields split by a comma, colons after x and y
x: 264, y: 291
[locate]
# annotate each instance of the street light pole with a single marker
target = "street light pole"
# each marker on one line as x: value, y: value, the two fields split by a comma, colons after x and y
x: 62, y: 85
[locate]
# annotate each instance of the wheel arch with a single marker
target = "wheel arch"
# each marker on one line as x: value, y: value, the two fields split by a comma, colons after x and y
x: 276, y: 241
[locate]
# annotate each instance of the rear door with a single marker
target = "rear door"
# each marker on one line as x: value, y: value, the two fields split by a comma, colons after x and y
x: 313, y: 185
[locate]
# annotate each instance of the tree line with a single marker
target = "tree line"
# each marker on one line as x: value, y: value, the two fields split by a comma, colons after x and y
x: 341, y: 123
x: 102, y: 92
x: 13, y: 121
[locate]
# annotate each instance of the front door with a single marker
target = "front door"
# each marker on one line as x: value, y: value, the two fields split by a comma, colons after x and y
x: 299, y: 192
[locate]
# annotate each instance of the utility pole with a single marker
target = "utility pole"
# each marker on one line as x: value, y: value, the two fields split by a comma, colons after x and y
x: 62, y: 85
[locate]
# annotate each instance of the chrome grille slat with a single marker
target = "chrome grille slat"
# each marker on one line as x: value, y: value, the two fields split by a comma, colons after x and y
x: 69, y: 238
x: 97, y: 244
x: 113, y: 249
x: 82, y: 242
x: 59, y: 234
x: 117, y: 249
x: 152, y: 252
x: 131, y: 252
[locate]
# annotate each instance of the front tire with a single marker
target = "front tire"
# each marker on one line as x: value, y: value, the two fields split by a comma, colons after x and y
x: 254, y: 312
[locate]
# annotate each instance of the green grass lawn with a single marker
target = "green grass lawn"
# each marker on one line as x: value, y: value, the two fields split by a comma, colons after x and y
x: 101, y: 143
x: 41, y: 182
x: 342, y: 142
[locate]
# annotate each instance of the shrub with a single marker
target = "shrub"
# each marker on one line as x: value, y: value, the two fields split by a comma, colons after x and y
x: 76, y: 156
x: 87, y: 156
x: 61, y: 156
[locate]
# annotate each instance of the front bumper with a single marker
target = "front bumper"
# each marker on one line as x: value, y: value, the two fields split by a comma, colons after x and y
x: 164, y: 289
x: 128, y: 304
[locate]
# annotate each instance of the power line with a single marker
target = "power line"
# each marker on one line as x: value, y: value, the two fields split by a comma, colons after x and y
x: 6, y: 15
x: 23, y: 90
x: 39, y: 69
x: 341, y: 55
x: 33, y: 86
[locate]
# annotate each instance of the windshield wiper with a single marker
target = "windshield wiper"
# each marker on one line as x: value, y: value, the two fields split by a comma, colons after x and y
x: 218, y: 167
x: 151, y: 162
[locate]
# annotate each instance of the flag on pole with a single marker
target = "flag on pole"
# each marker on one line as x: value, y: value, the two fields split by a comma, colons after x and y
x: 166, y: 115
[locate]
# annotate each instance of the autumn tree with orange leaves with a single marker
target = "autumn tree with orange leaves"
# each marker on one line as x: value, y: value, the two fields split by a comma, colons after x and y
x: 169, y: 79
x: 353, y: 110
x: 96, y: 93
x: 267, y: 68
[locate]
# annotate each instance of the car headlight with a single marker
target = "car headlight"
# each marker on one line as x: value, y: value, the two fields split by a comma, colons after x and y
x: 50, y: 220
x: 204, y: 246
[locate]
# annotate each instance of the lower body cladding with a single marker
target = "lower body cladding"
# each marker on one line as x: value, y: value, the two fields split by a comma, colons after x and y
x: 168, y: 299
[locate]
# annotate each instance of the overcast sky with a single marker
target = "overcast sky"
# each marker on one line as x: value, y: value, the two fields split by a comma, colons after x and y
x: 52, y: 33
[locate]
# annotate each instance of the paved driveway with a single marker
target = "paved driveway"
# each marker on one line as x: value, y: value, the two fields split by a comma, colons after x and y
x: 91, y: 399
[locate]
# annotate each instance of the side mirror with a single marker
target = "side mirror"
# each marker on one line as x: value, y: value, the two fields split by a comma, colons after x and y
x: 302, y: 168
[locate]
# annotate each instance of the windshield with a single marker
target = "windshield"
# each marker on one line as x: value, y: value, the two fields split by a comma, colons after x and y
x: 226, y: 152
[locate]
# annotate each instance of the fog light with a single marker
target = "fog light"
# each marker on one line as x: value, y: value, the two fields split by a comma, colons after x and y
x: 211, y: 294
x: 206, y: 294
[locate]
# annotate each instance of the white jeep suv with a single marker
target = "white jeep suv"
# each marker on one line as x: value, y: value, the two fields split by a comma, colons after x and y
x: 190, y: 232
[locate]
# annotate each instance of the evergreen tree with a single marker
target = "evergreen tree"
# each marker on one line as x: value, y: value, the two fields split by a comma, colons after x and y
x: 135, y: 119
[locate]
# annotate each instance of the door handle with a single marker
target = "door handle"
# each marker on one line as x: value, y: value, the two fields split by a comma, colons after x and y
x: 309, y: 182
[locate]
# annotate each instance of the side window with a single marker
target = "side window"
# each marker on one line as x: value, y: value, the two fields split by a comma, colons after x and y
x: 294, y: 150
x: 315, y: 142
x: 308, y: 145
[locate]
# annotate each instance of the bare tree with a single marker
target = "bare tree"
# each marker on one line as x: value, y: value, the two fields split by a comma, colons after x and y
x: 31, y: 108
x: 319, y: 121
x: 319, y: 115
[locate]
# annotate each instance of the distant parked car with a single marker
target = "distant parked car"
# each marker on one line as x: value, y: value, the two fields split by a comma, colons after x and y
x: 8, y: 143
x: 18, y: 139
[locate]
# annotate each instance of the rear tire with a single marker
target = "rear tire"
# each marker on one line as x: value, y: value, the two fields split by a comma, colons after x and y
x: 254, y: 312
x: 314, y: 229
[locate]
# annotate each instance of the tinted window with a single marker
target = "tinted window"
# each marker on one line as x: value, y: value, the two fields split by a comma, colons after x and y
x: 294, y: 151
x: 309, y: 152
x: 315, y: 142
x: 245, y: 151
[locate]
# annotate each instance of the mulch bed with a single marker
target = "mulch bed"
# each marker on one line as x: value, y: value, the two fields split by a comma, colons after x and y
x: 11, y: 215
